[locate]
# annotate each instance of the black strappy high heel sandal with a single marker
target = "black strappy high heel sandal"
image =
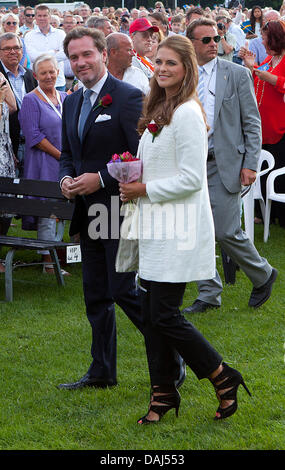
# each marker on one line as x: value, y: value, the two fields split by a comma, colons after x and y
x: 169, y: 399
x: 229, y: 379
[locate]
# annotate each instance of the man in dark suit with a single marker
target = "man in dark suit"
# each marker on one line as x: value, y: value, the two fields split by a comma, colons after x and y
x: 99, y: 120
x: 21, y: 81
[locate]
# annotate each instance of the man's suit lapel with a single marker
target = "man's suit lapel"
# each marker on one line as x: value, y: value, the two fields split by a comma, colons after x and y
x: 94, y: 113
x: 221, y: 81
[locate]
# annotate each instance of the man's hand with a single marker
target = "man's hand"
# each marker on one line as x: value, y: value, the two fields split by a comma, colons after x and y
x: 247, y: 177
x: 65, y: 187
x: 85, y: 184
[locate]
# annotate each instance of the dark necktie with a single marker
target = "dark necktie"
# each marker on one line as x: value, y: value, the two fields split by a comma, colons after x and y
x: 85, y: 110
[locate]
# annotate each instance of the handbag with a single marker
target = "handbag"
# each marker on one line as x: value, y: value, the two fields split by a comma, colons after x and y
x: 127, y: 258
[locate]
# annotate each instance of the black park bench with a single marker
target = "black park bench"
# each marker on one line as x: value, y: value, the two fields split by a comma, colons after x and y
x: 45, y: 200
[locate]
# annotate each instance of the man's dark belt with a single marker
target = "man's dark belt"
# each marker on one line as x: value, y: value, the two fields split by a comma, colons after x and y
x: 211, y: 155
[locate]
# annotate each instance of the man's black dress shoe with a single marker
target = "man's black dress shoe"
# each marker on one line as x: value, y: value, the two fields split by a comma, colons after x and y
x: 87, y: 381
x: 259, y: 295
x: 198, y: 307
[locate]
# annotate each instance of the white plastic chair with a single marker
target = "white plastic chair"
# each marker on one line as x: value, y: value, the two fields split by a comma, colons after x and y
x: 271, y: 195
x: 255, y: 193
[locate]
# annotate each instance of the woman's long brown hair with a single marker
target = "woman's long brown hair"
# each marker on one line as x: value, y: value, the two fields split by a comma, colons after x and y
x: 156, y: 106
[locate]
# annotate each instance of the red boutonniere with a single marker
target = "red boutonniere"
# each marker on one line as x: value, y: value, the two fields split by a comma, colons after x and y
x: 154, y: 129
x: 104, y: 102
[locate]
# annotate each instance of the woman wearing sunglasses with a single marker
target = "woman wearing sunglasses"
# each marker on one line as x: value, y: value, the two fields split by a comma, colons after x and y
x: 269, y: 83
x: 173, y: 149
x: 10, y: 24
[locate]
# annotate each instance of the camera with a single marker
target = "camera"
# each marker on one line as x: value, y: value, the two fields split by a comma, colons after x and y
x: 221, y: 26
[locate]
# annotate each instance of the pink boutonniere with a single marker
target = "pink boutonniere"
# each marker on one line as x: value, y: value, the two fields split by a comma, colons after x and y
x: 154, y: 129
x: 104, y: 102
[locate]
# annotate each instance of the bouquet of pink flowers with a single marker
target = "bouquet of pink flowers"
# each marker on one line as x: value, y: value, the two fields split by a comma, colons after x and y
x: 125, y: 168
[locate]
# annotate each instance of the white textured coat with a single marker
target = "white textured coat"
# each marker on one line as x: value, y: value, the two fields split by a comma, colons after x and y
x: 177, y: 241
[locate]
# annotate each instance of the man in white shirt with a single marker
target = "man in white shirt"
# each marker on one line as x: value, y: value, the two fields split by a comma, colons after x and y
x: 46, y: 39
x: 69, y: 22
x: 120, y: 53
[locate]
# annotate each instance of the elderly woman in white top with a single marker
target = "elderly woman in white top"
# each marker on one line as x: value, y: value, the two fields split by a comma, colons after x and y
x: 176, y: 233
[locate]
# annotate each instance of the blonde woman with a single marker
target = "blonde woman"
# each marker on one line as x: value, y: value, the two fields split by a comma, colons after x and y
x: 10, y: 24
x: 174, y: 182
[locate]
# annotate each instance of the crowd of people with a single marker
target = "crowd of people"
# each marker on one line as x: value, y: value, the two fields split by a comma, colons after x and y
x: 212, y: 81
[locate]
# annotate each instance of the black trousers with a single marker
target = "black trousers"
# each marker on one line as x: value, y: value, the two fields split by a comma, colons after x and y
x: 167, y: 333
x: 4, y: 225
x: 103, y: 287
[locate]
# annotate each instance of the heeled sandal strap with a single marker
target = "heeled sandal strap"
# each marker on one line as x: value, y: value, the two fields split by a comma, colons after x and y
x: 164, y: 400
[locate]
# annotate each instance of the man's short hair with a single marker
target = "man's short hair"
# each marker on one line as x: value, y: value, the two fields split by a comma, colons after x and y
x: 177, y: 19
x: 80, y: 32
x: 203, y: 21
x: 95, y: 22
x: 42, y: 8
x: 113, y: 40
x: 8, y: 37
x: 196, y: 10
x: 159, y: 17
x: 27, y: 9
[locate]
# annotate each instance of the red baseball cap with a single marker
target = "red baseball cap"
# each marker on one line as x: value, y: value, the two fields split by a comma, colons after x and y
x: 142, y: 24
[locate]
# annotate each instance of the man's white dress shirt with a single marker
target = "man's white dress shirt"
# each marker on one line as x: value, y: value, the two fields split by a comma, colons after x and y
x: 38, y: 43
x: 210, y: 73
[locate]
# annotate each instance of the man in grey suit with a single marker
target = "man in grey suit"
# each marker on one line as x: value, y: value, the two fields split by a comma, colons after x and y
x: 227, y: 94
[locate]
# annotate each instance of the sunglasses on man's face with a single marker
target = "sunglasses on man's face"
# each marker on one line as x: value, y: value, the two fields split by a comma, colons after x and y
x: 14, y: 23
x: 207, y: 39
x: 30, y: 15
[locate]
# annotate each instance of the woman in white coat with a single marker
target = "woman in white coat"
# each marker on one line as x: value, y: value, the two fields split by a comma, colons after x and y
x: 176, y: 233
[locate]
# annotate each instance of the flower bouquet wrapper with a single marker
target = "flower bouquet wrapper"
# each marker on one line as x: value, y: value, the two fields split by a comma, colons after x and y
x: 125, y: 171
x: 127, y: 258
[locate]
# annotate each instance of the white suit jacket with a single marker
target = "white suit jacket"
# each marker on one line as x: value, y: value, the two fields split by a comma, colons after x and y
x: 177, y: 241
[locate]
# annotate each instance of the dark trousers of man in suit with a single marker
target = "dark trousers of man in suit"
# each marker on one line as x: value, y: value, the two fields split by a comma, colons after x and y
x: 103, y: 287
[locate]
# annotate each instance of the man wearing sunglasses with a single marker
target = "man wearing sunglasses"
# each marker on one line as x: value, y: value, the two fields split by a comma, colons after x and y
x: 234, y: 144
x: 29, y: 16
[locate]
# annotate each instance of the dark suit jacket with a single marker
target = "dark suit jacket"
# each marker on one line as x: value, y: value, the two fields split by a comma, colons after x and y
x: 100, y: 141
x: 30, y: 84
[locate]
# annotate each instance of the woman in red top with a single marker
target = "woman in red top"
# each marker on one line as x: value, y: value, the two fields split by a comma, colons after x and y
x: 269, y: 83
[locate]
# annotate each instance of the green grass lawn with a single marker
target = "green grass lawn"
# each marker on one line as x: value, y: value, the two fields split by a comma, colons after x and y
x: 45, y: 340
